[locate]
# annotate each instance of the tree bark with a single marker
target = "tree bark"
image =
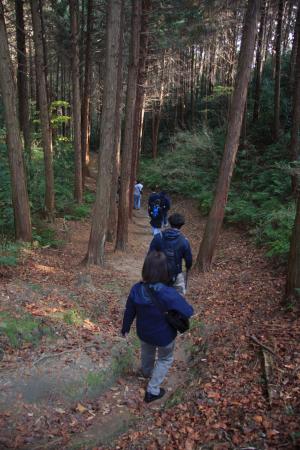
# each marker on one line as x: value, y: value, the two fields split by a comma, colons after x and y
x: 294, y: 143
x: 192, y: 91
x: 113, y: 208
x: 44, y: 109
x: 22, y: 79
x: 215, y: 219
x: 258, y: 65
x: 96, y: 246
x: 78, y: 188
x: 294, y: 54
x: 20, y: 199
x: 126, y: 154
x: 140, y: 96
x: 278, y: 71
x: 85, y: 111
x: 292, y: 288
x: 156, y: 113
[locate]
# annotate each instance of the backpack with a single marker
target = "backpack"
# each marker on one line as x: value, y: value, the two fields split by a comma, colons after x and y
x: 173, y: 258
x: 155, y: 209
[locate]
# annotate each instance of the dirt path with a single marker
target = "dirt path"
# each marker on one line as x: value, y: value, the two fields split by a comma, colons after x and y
x: 77, y: 387
x: 76, y: 379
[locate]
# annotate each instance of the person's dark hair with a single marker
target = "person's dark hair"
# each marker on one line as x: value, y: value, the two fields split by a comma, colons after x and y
x: 155, y: 268
x: 176, y: 220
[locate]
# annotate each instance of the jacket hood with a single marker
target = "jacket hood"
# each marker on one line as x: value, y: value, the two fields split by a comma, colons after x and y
x: 171, y: 234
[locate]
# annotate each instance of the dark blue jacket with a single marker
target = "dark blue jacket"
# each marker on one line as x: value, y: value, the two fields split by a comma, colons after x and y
x: 153, y: 197
x: 165, y: 202
x: 155, y: 222
x: 173, y: 237
x: 151, y: 325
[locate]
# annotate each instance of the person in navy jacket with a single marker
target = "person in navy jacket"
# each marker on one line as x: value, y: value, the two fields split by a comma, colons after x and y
x: 153, y: 330
x: 166, y: 205
x: 177, y: 248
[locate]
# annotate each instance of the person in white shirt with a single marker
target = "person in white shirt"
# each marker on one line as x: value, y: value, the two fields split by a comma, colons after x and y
x: 138, y: 187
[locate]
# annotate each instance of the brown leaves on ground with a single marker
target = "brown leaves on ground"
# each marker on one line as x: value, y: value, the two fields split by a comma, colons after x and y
x: 225, y: 403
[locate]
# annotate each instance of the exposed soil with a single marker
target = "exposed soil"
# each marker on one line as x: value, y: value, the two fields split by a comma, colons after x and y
x: 78, y: 388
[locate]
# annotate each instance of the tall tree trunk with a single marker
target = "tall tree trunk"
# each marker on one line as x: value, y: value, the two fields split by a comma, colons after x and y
x: 156, y: 113
x: 294, y: 55
x: 181, y: 90
x: 278, y: 71
x: 44, y: 110
x: 192, y: 91
x: 215, y: 219
x: 95, y: 253
x: 85, y: 111
x: 294, y: 143
x: 32, y: 88
x: 45, y: 55
x: 212, y: 67
x: 292, y: 288
x: 13, y: 135
x: 22, y: 83
x: 287, y: 22
x: 258, y: 65
x: 76, y: 101
x: 113, y: 207
x: 126, y: 154
x: 140, y: 95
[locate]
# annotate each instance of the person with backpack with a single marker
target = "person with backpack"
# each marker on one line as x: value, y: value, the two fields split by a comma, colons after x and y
x: 177, y: 249
x: 147, y: 302
x: 166, y: 205
x: 155, y: 212
x: 138, y: 187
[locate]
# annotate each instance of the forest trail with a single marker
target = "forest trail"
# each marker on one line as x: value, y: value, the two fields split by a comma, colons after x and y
x: 77, y: 376
x: 78, y: 387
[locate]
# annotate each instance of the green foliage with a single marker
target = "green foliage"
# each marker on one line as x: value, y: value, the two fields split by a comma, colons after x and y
x: 73, y: 317
x: 58, y: 118
x: 259, y: 197
x: 79, y: 212
x: 6, y: 216
x: 65, y: 206
x: 188, y: 170
x: 45, y: 237
x: 20, y: 329
x: 9, y: 252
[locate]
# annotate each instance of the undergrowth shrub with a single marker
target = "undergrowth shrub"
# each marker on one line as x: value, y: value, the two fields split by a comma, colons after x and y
x: 9, y: 252
x: 259, y: 197
x: 64, y: 192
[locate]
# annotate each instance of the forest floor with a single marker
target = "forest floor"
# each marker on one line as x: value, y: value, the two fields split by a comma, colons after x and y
x: 68, y: 380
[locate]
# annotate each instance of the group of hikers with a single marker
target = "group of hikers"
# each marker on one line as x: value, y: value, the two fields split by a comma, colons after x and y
x: 157, y: 302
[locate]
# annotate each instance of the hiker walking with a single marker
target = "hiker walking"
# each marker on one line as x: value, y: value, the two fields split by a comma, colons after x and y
x: 177, y: 249
x: 155, y: 212
x: 157, y: 336
x: 166, y: 205
x: 138, y: 187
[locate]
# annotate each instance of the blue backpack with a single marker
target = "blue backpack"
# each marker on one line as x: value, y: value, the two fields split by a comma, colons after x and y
x: 155, y: 209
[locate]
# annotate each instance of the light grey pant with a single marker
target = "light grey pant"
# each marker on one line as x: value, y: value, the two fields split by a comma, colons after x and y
x: 158, y: 369
x: 179, y: 284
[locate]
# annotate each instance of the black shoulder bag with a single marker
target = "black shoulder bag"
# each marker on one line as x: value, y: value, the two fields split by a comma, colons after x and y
x: 174, y: 318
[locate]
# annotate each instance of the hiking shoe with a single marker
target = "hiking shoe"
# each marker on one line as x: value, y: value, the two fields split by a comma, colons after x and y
x: 151, y: 397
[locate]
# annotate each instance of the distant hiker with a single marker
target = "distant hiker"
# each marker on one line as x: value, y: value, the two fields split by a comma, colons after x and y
x: 153, y: 330
x: 155, y: 212
x: 138, y: 187
x: 177, y: 248
x: 166, y: 205
x: 155, y: 195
